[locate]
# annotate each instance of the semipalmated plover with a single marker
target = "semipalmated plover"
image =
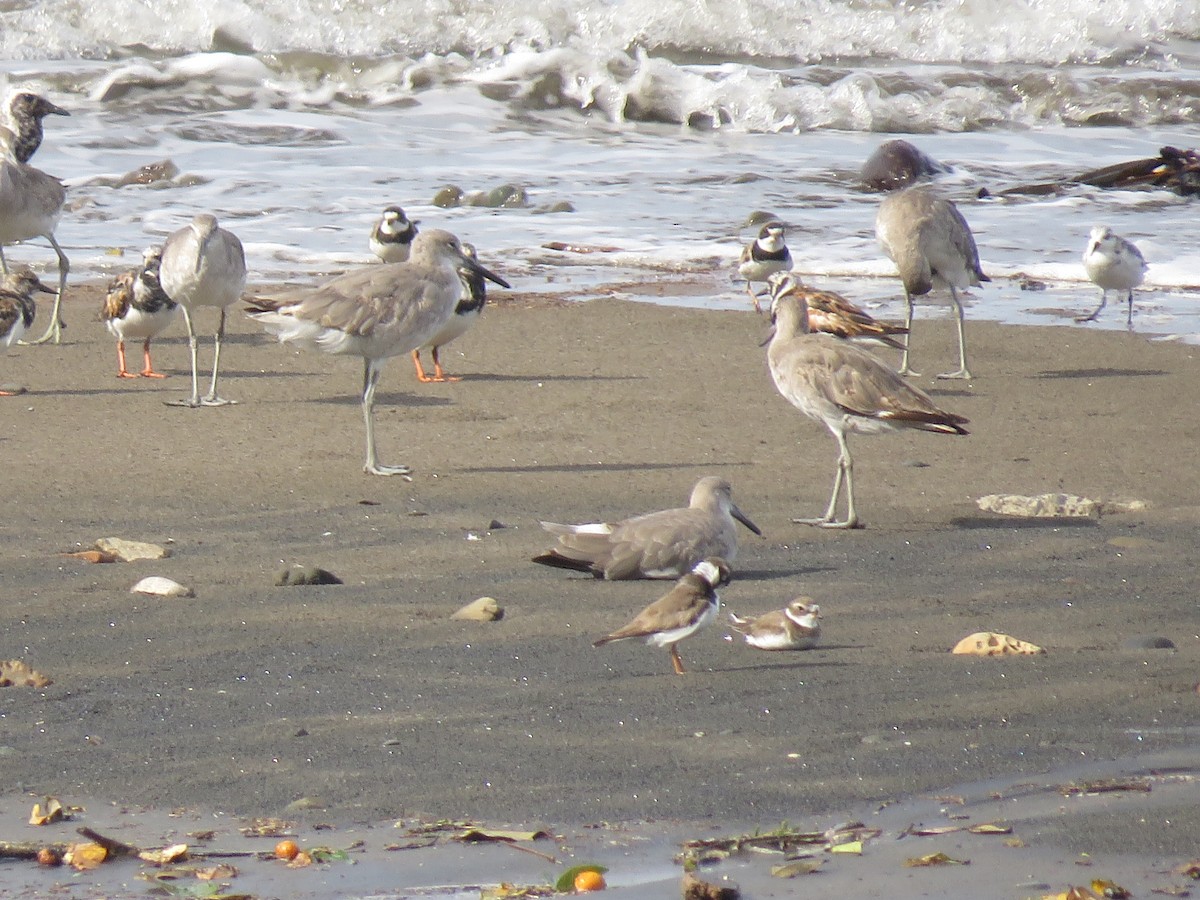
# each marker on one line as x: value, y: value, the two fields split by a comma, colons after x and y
x: 137, y: 308
x: 795, y: 627
x: 1113, y: 264
x: 763, y: 257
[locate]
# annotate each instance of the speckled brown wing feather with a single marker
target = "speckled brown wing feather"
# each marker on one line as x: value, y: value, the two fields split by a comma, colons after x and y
x: 831, y: 313
x: 119, y: 296
x: 10, y: 313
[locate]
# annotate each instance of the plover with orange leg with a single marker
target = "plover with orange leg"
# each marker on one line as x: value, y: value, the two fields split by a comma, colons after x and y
x: 203, y: 265
x: 1113, y: 264
x: 392, y: 236
x: 137, y: 308
x: 680, y: 613
x: 466, y: 313
x: 664, y: 544
x: 763, y: 257
x: 17, y: 309
x: 846, y: 388
x: 795, y: 627
x: 375, y: 312
x: 831, y: 313
x: 931, y: 244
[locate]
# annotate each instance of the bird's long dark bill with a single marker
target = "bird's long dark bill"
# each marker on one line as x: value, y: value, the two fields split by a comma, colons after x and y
x: 741, y: 517
x: 41, y: 286
x: 767, y: 339
x: 489, y: 275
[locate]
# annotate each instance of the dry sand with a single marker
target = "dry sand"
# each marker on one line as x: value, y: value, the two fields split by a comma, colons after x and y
x: 367, y: 699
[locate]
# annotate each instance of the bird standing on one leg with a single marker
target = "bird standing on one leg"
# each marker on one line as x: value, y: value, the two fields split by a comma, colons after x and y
x: 931, y: 244
x: 845, y: 387
x: 203, y: 265
x: 1114, y: 264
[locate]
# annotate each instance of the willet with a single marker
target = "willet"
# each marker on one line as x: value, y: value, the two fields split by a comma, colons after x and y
x: 1114, y: 264
x: 664, y: 544
x: 466, y: 313
x: 392, y: 236
x: 375, y: 312
x: 137, y: 308
x: 931, y: 244
x: 17, y: 309
x: 23, y: 134
x: 831, y: 313
x: 795, y: 627
x: 679, y: 613
x: 763, y: 257
x: 845, y: 387
x: 203, y: 265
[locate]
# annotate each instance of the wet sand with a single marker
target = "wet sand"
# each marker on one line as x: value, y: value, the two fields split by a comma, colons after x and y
x: 368, y: 701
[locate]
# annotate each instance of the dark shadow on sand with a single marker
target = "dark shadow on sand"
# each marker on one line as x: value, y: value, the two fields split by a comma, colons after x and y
x: 1100, y: 373
x: 596, y: 467
x: 983, y: 523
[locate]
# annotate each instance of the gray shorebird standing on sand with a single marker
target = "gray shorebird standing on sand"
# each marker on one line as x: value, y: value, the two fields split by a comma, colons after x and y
x: 375, y: 312
x: 1113, y: 264
x: 843, y: 386
x: 680, y: 613
x: 137, y: 308
x: 392, y: 236
x: 763, y: 257
x: 795, y: 627
x: 664, y: 544
x: 931, y: 244
x: 203, y: 265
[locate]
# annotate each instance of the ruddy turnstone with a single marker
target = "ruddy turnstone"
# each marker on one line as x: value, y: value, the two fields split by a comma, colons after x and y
x: 1113, y: 264
x: 931, y: 244
x: 466, y: 313
x: 795, y: 627
x: 392, y: 236
x: 203, y: 265
x: 831, y: 313
x: 376, y: 312
x: 763, y: 257
x: 840, y: 384
x: 137, y: 308
x: 17, y: 309
x: 679, y: 613
x: 664, y: 544
x: 23, y: 132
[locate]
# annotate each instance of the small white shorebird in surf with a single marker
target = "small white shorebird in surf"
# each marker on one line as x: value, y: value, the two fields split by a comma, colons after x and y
x: 392, y: 236
x: 845, y: 387
x: 17, y: 309
x: 466, y: 314
x: 931, y: 244
x: 1113, y: 264
x: 763, y: 257
x: 137, y: 308
x: 31, y: 201
x: 680, y: 613
x: 375, y: 312
x: 663, y: 544
x: 795, y: 627
x: 203, y: 265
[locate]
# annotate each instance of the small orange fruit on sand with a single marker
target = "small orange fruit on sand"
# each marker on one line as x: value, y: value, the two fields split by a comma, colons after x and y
x: 286, y: 850
x: 589, y: 880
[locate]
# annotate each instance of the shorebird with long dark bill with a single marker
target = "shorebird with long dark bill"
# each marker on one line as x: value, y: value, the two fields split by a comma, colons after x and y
x: 680, y: 613
x: 1113, y: 264
x: 137, y: 308
x: 17, y: 309
x: 203, y: 265
x: 392, y: 236
x: 763, y: 257
x: 795, y: 627
x: 931, y: 244
x: 663, y: 544
x: 846, y: 388
x: 466, y: 314
x: 376, y: 312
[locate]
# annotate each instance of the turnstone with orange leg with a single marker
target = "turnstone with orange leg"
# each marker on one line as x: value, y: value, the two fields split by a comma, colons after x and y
x: 17, y: 308
x: 795, y: 627
x: 763, y: 257
x: 1113, y: 264
x: 846, y: 388
x: 664, y: 544
x: 680, y: 613
x: 137, y: 308
x: 375, y: 312
x: 466, y: 313
x: 392, y: 236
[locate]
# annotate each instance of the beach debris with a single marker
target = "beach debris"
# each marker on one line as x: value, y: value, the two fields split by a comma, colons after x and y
x: 287, y: 849
x: 696, y: 889
x: 849, y: 836
x: 85, y: 856
x: 1056, y: 506
x: 485, y: 609
x: 131, y: 551
x: 164, y: 856
x: 1147, y: 642
x: 1189, y: 869
x: 583, y: 878
x: 935, y: 859
x: 798, y: 867
x: 1109, y: 889
x: 52, y: 811
x: 579, y: 248
x: 991, y: 643
x: 49, y: 857
x: 1105, y: 786
x: 265, y: 826
x: 92, y: 556
x: 1173, y: 169
x: 473, y: 834
x: 297, y: 574
x: 14, y: 672
x: 1100, y: 890
x: 158, y: 586
x: 505, y: 891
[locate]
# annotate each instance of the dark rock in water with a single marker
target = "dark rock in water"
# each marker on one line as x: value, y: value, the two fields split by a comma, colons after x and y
x: 897, y: 164
x: 1147, y: 642
x: 304, y: 575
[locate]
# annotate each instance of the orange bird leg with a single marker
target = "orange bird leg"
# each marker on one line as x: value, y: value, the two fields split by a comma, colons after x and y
x: 438, y: 373
x: 122, y: 371
x: 676, y: 661
x: 149, y: 372
x: 421, y: 376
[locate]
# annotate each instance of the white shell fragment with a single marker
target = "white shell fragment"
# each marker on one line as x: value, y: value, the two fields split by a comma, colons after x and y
x: 158, y: 586
x: 1056, y: 506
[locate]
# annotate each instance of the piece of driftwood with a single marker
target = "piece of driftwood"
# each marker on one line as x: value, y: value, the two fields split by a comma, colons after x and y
x: 1173, y: 169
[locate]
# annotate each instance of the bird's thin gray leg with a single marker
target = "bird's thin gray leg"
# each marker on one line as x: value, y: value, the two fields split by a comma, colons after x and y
x: 908, y: 317
x: 1091, y: 317
x: 211, y: 399
x: 962, y: 371
x: 1129, y: 317
x: 371, y: 372
x: 194, y: 401
x: 54, y: 330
